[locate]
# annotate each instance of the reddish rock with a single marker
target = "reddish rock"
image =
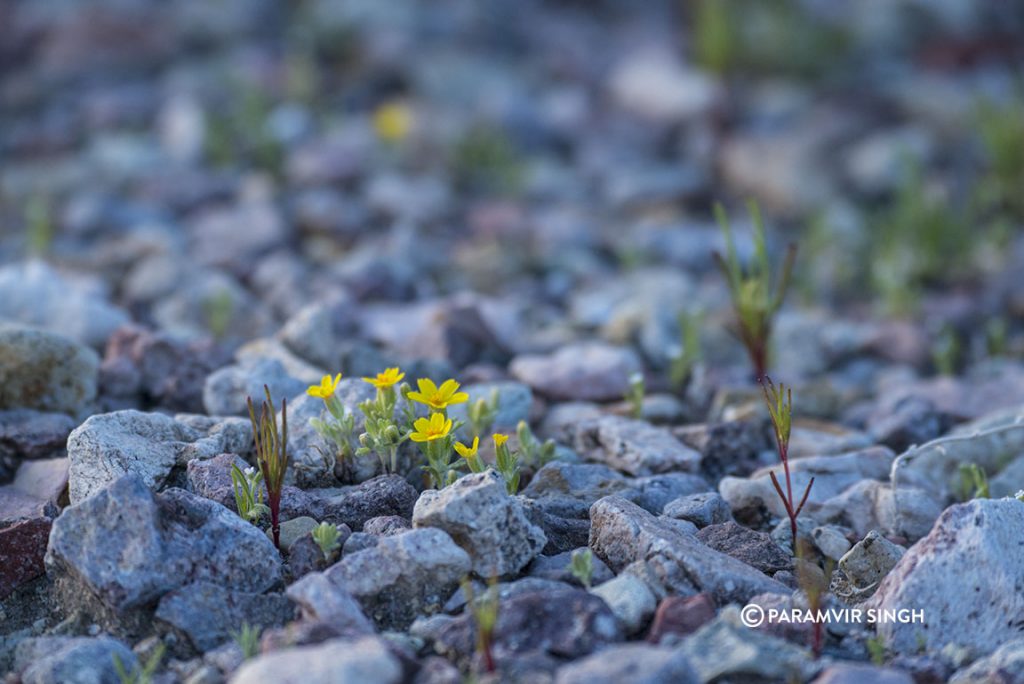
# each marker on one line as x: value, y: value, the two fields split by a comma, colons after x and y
x: 681, y: 615
x: 22, y: 547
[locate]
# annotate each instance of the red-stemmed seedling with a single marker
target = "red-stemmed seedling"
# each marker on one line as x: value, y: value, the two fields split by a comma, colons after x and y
x: 271, y: 454
x: 780, y: 408
x: 756, y: 295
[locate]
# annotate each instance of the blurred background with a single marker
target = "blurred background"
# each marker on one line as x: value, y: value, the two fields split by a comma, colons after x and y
x: 523, y: 171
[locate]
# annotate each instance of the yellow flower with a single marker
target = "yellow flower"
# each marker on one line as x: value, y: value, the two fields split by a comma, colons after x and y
x: 392, y: 121
x: 465, y: 451
x: 499, y: 439
x: 429, y: 429
x: 386, y: 379
x: 438, y: 397
x: 325, y: 390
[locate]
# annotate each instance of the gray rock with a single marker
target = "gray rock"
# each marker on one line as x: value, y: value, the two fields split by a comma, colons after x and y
x: 71, y: 660
x: 129, y: 547
x: 316, y: 332
x: 656, y: 85
x: 830, y: 541
x: 34, y: 294
x: 145, y: 368
x: 970, y: 564
x: 214, y: 234
x: 730, y: 448
x: 149, y: 445
x: 724, y: 650
x: 557, y: 568
x: 588, y: 371
x: 226, y: 390
x: 752, y: 498
x: 630, y: 599
x: 294, y: 529
x: 33, y: 434
x: 325, y: 601
x: 401, y: 577
x: 386, y: 525
x: 855, y: 673
x: 935, y: 467
x: 636, y: 662
x: 359, y: 541
x: 386, y: 495
x: 707, y: 508
x: 655, y: 492
x: 208, y: 613
x: 1005, y: 664
x: 568, y: 489
x: 45, y: 371
x: 754, y: 548
x: 870, y: 560
x: 907, y: 512
x: 634, y: 447
x: 368, y: 659
x: 622, y: 532
x: 564, y: 534
x: 492, y: 527
x: 558, y: 620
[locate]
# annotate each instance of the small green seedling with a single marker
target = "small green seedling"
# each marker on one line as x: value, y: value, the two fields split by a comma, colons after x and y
x: 946, y: 352
x: 506, y: 463
x: 876, y: 649
x: 756, y: 295
x: 997, y: 332
x: 140, y: 674
x: 485, y: 616
x: 533, y: 452
x: 38, y: 226
x: 780, y: 408
x: 271, y: 447
x: 973, y: 482
x: 481, y: 414
x: 635, y: 395
x: 219, y: 310
x: 582, y: 566
x: 685, y: 357
x: 248, y: 489
x: 326, y: 537
x: 248, y: 639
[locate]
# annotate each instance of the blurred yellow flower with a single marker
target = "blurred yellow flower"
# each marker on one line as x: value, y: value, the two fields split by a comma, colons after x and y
x: 499, y: 439
x: 438, y: 397
x: 429, y: 429
x: 465, y: 451
x: 386, y: 379
x: 392, y: 121
x: 325, y: 390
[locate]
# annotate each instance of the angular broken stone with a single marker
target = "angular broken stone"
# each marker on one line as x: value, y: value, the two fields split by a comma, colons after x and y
x: 969, y: 565
x: 622, y: 532
x: 492, y: 527
x: 870, y: 559
x: 150, y: 445
x: 129, y: 546
x: 629, y: 663
x: 399, y: 579
x: 208, y: 614
x: 634, y: 447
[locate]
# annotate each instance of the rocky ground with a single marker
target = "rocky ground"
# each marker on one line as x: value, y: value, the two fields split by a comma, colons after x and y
x: 199, y: 199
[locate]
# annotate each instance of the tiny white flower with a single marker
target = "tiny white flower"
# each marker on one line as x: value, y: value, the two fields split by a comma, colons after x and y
x: 1020, y: 494
x: 636, y: 378
x: 250, y: 471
